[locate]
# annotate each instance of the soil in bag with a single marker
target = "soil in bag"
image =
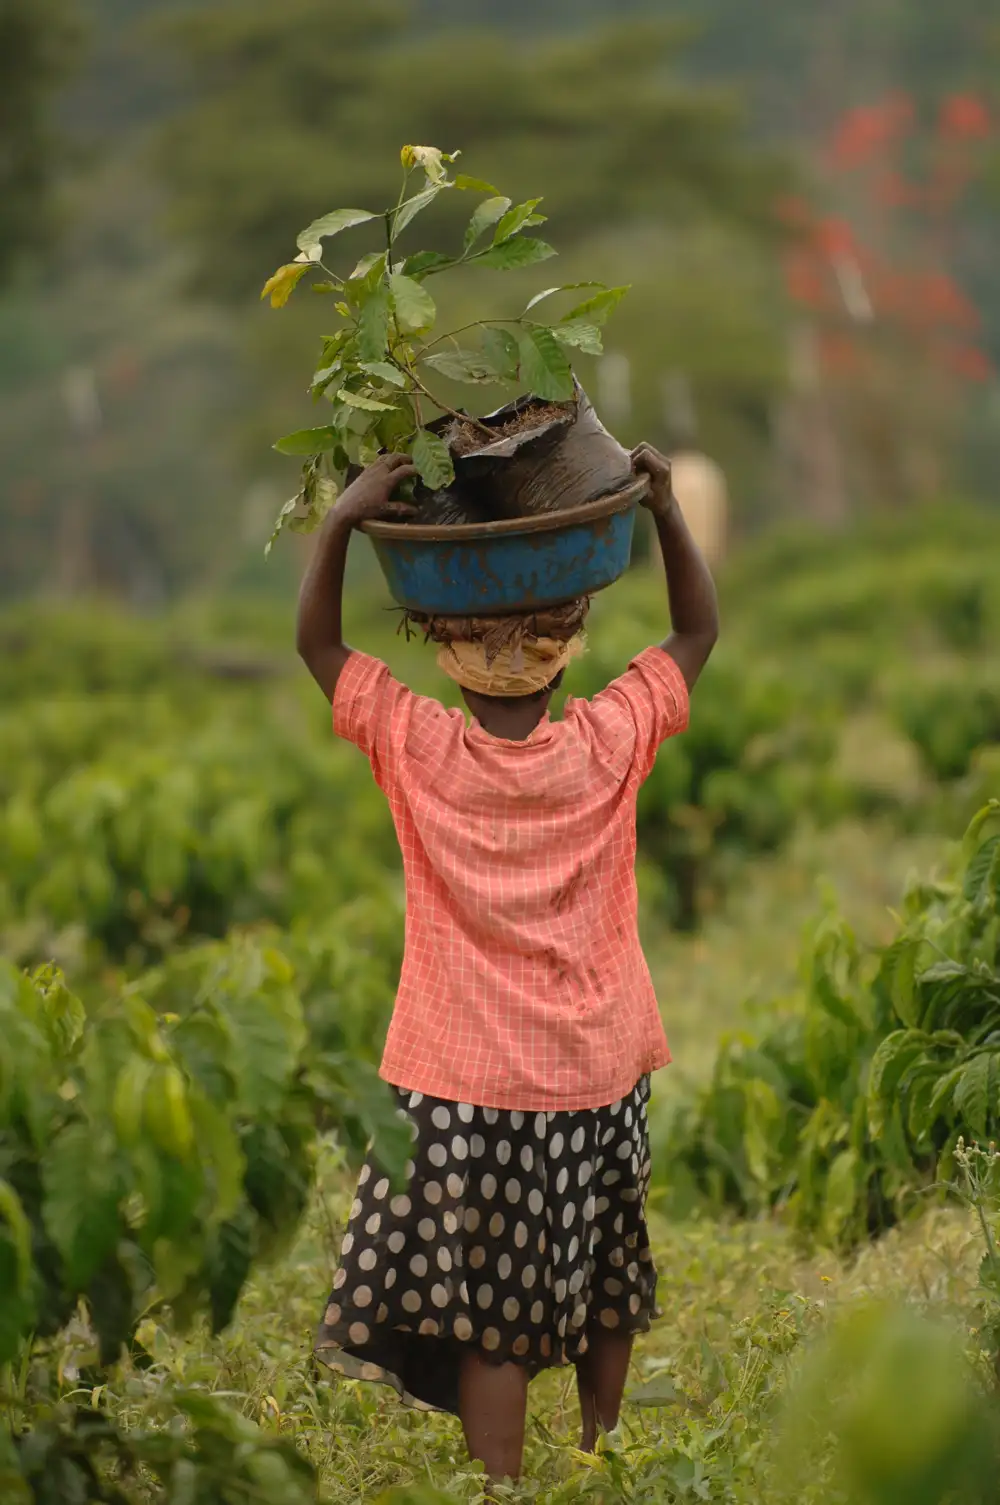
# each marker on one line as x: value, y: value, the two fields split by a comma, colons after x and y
x: 528, y: 457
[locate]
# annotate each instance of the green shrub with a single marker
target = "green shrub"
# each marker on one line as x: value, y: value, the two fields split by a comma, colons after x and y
x: 155, y: 1145
x: 950, y: 719
x: 853, y: 1099
x: 143, y: 827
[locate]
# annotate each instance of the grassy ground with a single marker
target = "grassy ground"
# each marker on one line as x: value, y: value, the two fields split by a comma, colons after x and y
x: 736, y: 1298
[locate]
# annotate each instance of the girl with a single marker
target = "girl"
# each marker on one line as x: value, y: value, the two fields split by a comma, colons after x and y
x: 525, y: 1027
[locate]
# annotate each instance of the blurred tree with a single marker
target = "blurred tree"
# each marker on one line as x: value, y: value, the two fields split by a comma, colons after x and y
x: 647, y: 180
x: 39, y: 43
x: 304, y: 106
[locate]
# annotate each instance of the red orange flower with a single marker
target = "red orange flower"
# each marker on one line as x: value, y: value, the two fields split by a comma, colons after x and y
x: 965, y: 115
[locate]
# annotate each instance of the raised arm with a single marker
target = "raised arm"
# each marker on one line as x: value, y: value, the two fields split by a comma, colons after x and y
x: 694, y: 610
x: 319, y: 634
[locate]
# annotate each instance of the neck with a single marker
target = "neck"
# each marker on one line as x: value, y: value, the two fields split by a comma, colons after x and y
x: 515, y: 722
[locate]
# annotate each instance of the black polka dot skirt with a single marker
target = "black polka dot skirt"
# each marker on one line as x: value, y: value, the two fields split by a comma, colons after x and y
x: 518, y: 1233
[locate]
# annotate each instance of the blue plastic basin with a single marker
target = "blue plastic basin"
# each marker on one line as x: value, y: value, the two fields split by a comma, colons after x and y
x: 519, y: 564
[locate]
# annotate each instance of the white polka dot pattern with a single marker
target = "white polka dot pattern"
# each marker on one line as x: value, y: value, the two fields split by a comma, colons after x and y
x: 523, y: 983
x: 523, y: 1265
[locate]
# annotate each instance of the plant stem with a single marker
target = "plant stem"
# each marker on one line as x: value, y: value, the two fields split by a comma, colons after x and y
x: 476, y: 324
x: 390, y: 220
x: 462, y: 417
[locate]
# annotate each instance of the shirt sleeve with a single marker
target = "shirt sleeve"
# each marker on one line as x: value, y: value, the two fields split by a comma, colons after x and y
x: 372, y: 709
x: 642, y: 708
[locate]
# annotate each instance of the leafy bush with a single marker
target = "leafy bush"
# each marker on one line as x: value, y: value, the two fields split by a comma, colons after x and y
x: 196, y: 1449
x: 799, y: 589
x: 886, y: 1408
x: 949, y: 719
x: 129, y: 819
x: 144, y: 1151
x: 854, y: 1098
x: 154, y: 1145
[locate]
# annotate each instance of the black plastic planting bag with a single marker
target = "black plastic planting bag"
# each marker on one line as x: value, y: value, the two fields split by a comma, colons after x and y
x: 565, y: 459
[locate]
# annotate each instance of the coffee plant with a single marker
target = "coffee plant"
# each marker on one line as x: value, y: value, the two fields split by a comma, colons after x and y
x: 132, y: 821
x: 853, y: 1100
x: 949, y: 718
x: 154, y: 1146
x: 375, y: 367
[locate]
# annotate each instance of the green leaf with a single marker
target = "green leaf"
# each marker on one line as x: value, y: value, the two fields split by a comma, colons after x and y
x: 373, y: 325
x: 333, y: 344
x: 229, y: 1262
x: 384, y: 372
x: 64, y: 1016
x: 166, y: 1113
x: 409, y: 210
x: 659, y: 1391
x: 475, y: 185
x: 762, y: 1112
x: 545, y: 371
x: 310, y: 242
x: 82, y: 1191
x: 365, y: 404
x: 415, y: 308
x: 597, y: 309
x: 309, y: 441
x: 945, y: 971
x: 502, y: 351
x: 585, y: 337
x: 367, y: 264
x: 220, y: 1154
x: 983, y: 872
x: 395, y: 430
x: 515, y: 219
x: 267, y: 1032
x: 304, y: 512
x: 314, y: 504
x: 12, y: 1214
x: 522, y: 251
x: 972, y: 1095
x: 423, y: 263
x: 323, y: 378
x: 943, y: 1093
x: 565, y: 287
x: 280, y: 521
x: 461, y: 365
x: 284, y: 282
x: 844, y: 1188
x: 325, y: 287
x: 901, y: 981
x: 488, y: 212
x: 893, y: 1058
x: 432, y: 458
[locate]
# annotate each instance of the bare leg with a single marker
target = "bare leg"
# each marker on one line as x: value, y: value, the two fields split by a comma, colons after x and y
x: 600, y: 1376
x: 493, y: 1403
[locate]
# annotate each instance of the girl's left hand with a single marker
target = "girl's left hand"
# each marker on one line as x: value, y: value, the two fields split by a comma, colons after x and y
x: 370, y: 495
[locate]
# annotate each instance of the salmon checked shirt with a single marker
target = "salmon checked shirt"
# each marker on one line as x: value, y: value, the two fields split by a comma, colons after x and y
x: 523, y: 983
